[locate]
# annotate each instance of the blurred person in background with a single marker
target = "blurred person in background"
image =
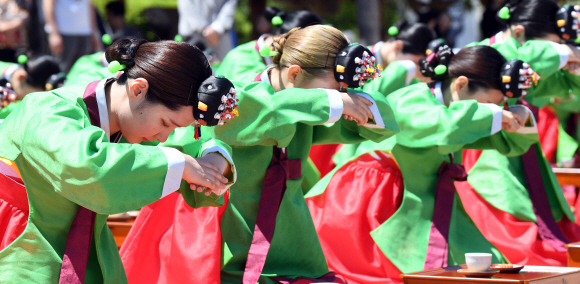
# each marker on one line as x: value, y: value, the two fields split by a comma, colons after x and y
x: 208, y: 22
x: 118, y: 28
x: 71, y: 26
x: 13, y: 19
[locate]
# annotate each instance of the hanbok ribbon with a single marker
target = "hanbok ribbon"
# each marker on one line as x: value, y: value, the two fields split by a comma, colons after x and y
x: 280, y: 170
x: 437, y: 248
x: 547, y: 227
x: 80, y: 235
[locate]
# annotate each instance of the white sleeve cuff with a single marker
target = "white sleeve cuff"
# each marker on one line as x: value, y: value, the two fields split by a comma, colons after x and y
x: 175, y: 167
x: 530, y: 124
x: 226, y: 155
x: 336, y: 105
x: 375, y: 111
x: 411, y: 70
x: 497, y: 117
x: 564, y: 53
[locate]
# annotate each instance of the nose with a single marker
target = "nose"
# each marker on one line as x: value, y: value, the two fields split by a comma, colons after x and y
x: 161, y: 137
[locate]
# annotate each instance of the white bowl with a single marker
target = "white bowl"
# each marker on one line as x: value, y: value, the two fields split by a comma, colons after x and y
x: 478, y: 261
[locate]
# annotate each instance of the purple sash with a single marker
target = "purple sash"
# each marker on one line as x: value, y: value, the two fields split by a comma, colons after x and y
x: 438, y: 245
x: 280, y: 170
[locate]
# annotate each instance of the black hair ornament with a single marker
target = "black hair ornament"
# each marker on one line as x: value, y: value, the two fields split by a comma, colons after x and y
x: 435, y: 64
x: 567, y: 19
x: 216, y: 103
x: 355, y: 65
x: 55, y: 81
x: 516, y: 76
x: 435, y: 45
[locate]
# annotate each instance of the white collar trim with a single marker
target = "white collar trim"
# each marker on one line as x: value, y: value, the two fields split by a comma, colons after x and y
x: 261, y: 43
x: 439, y: 93
x: 265, y: 78
x: 103, y: 111
x: 377, y: 52
x: 499, y: 37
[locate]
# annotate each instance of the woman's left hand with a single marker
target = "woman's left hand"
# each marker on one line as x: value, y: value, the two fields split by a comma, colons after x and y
x: 214, y: 160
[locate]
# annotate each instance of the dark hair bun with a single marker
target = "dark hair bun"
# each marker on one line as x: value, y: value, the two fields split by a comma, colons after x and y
x: 124, y: 51
x: 216, y: 101
x: 271, y: 12
x: 435, y: 65
x: 354, y: 66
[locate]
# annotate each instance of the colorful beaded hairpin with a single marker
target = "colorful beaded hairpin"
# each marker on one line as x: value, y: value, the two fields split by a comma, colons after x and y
x: 526, y: 78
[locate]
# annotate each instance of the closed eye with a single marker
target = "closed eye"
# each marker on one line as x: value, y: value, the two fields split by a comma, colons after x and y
x: 164, y: 124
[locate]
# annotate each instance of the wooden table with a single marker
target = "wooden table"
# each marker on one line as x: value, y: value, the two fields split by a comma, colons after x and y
x: 568, y: 176
x: 120, y: 228
x: 573, y: 254
x: 528, y: 275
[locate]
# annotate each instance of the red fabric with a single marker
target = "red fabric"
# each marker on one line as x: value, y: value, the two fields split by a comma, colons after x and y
x: 321, y: 156
x: 361, y: 196
x: 548, y: 131
x: 13, y: 209
x: 503, y: 230
x: 444, y: 196
x: 171, y: 242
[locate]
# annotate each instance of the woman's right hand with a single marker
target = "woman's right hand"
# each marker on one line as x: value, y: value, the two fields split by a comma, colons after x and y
x: 510, y: 121
x: 205, y: 175
x: 356, y: 108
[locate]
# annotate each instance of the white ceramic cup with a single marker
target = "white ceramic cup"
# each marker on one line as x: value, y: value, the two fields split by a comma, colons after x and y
x: 478, y: 261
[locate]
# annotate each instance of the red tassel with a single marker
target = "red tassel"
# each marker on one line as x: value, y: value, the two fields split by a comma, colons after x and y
x: 197, y: 133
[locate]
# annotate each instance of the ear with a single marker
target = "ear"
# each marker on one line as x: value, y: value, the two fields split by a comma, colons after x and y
x: 398, y: 46
x: 519, y: 31
x: 461, y: 84
x: 138, y: 88
x: 293, y: 72
x: 19, y: 75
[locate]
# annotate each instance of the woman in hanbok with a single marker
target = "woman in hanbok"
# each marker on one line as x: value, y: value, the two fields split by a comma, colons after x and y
x: 392, y: 209
x: 78, y: 155
x: 517, y: 200
x: 37, y: 74
x: 265, y: 233
x: 251, y: 58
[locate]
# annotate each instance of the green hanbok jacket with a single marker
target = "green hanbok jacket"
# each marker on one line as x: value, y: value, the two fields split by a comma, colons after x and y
x: 66, y: 162
x: 293, y: 119
x: 88, y: 68
x: 244, y: 60
x: 396, y: 75
x: 546, y: 58
x: 430, y: 132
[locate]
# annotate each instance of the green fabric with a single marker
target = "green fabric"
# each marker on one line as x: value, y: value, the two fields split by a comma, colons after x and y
x: 241, y: 61
x: 5, y: 65
x: 393, y: 77
x: 311, y: 175
x: 430, y: 132
x: 291, y: 118
x: 66, y: 162
x: 567, y: 145
x: 4, y: 112
x: 88, y: 68
x: 509, y: 178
